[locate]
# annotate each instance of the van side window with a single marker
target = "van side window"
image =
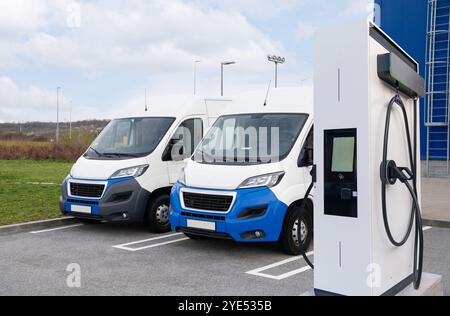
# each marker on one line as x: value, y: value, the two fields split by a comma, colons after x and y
x: 184, y: 141
x: 306, y: 158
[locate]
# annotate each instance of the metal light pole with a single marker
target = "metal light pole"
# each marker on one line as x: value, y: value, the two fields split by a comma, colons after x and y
x: 195, y: 76
x: 146, y: 105
x: 221, y: 73
x: 70, y: 121
x: 276, y: 60
x: 57, y: 114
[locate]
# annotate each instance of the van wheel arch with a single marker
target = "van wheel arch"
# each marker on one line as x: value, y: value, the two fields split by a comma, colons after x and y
x: 156, y: 194
x: 290, y: 232
x: 298, y: 203
x: 157, y: 211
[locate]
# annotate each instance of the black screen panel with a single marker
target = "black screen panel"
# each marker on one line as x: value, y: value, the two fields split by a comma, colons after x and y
x: 341, y: 181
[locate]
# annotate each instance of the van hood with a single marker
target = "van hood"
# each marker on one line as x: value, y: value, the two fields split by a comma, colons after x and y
x: 88, y: 169
x: 224, y: 177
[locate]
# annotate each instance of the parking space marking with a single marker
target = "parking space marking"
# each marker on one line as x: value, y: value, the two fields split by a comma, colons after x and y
x: 258, y: 272
x: 128, y: 248
x: 55, y: 229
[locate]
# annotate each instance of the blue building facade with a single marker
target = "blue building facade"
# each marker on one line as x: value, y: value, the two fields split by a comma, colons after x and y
x: 406, y: 22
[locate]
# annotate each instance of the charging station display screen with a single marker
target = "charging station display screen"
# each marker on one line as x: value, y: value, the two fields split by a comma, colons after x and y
x: 340, y: 167
x: 343, y: 154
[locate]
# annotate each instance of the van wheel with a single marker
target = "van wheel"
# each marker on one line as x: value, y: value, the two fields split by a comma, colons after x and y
x: 297, y: 227
x: 157, y: 218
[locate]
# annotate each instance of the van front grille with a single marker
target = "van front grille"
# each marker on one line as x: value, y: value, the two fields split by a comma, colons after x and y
x: 203, y: 216
x: 207, y: 202
x: 86, y: 190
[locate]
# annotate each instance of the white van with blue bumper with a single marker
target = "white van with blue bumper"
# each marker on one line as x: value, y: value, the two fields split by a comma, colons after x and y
x: 251, y: 191
x: 129, y: 170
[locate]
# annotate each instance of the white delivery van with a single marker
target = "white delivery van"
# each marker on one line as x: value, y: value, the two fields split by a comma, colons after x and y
x: 249, y: 175
x: 128, y: 172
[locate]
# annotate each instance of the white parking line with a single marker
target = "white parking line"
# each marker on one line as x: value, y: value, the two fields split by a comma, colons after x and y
x: 128, y: 248
x: 55, y: 229
x: 258, y: 272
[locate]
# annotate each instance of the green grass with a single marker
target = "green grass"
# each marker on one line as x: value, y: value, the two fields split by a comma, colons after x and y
x: 21, y: 199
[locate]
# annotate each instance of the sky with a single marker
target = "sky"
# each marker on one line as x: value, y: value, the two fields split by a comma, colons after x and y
x: 104, y: 54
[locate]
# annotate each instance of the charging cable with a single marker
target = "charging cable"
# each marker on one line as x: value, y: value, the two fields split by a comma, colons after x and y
x: 303, y: 207
x: 390, y: 174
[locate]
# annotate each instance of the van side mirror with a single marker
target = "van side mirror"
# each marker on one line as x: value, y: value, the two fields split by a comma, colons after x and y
x: 306, y: 158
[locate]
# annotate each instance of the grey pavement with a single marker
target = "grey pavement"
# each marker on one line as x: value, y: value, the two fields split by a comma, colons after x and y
x: 436, y: 199
x: 35, y: 264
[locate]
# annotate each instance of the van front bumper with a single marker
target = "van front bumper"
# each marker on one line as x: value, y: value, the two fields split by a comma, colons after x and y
x: 122, y: 200
x: 265, y: 227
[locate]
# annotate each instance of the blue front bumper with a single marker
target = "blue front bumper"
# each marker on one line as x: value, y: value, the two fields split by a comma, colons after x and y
x: 239, y: 229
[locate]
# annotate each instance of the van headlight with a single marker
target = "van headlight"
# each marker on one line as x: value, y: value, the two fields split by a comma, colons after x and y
x: 133, y: 172
x: 267, y: 180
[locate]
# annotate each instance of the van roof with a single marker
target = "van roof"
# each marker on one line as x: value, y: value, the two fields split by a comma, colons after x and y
x: 280, y: 100
x: 170, y: 106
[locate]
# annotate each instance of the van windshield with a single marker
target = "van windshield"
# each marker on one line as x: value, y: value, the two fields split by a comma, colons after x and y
x: 129, y: 138
x: 250, y: 139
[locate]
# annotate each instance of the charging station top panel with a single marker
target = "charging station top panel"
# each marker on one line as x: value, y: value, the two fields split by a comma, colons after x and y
x: 394, y: 71
x: 384, y: 40
x: 397, y: 68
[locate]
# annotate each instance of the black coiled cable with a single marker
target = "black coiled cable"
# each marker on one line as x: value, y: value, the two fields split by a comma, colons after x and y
x: 390, y: 173
x: 303, y: 207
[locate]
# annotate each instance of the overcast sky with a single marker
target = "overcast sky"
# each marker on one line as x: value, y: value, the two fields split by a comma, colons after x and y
x: 105, y: 53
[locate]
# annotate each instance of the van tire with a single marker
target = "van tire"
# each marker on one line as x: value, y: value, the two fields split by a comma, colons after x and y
x: 287, y: 240
x: 157, y: 217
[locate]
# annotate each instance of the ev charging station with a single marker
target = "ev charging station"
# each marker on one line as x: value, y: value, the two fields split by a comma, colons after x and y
x: 368, y: 232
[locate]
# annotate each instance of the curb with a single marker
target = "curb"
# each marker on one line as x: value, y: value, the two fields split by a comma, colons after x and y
x: 436, y: 223
x: 46, y: 224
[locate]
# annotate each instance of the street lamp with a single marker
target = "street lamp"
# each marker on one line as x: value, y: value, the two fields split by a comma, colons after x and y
x: 195, y: 76
x: 70, y: 121
x: 221, y: 77
x: 277, y: 60
x: 58, y: 89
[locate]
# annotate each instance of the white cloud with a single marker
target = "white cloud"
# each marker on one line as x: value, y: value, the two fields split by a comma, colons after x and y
x: 19, y: 17
x: 158, y: 39
x: 260, y: 9
x: 154, y: 35
x: 305, y: 30
x: 32, y: 103
x: 359, y: 8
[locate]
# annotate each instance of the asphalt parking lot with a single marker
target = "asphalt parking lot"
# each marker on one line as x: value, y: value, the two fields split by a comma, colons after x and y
x: 117, y: 259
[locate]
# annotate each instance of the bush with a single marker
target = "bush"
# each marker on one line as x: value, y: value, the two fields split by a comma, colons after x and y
x: 67, y: 150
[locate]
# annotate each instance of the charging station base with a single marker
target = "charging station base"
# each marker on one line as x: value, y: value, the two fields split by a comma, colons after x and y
x: 431, y: 286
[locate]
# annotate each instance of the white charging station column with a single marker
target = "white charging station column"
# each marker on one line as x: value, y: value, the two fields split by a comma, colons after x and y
x: 353, y: 255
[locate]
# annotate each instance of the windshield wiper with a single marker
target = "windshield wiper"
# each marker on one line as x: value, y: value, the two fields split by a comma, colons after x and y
x: 121, y: 155
x: 96, y: 151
